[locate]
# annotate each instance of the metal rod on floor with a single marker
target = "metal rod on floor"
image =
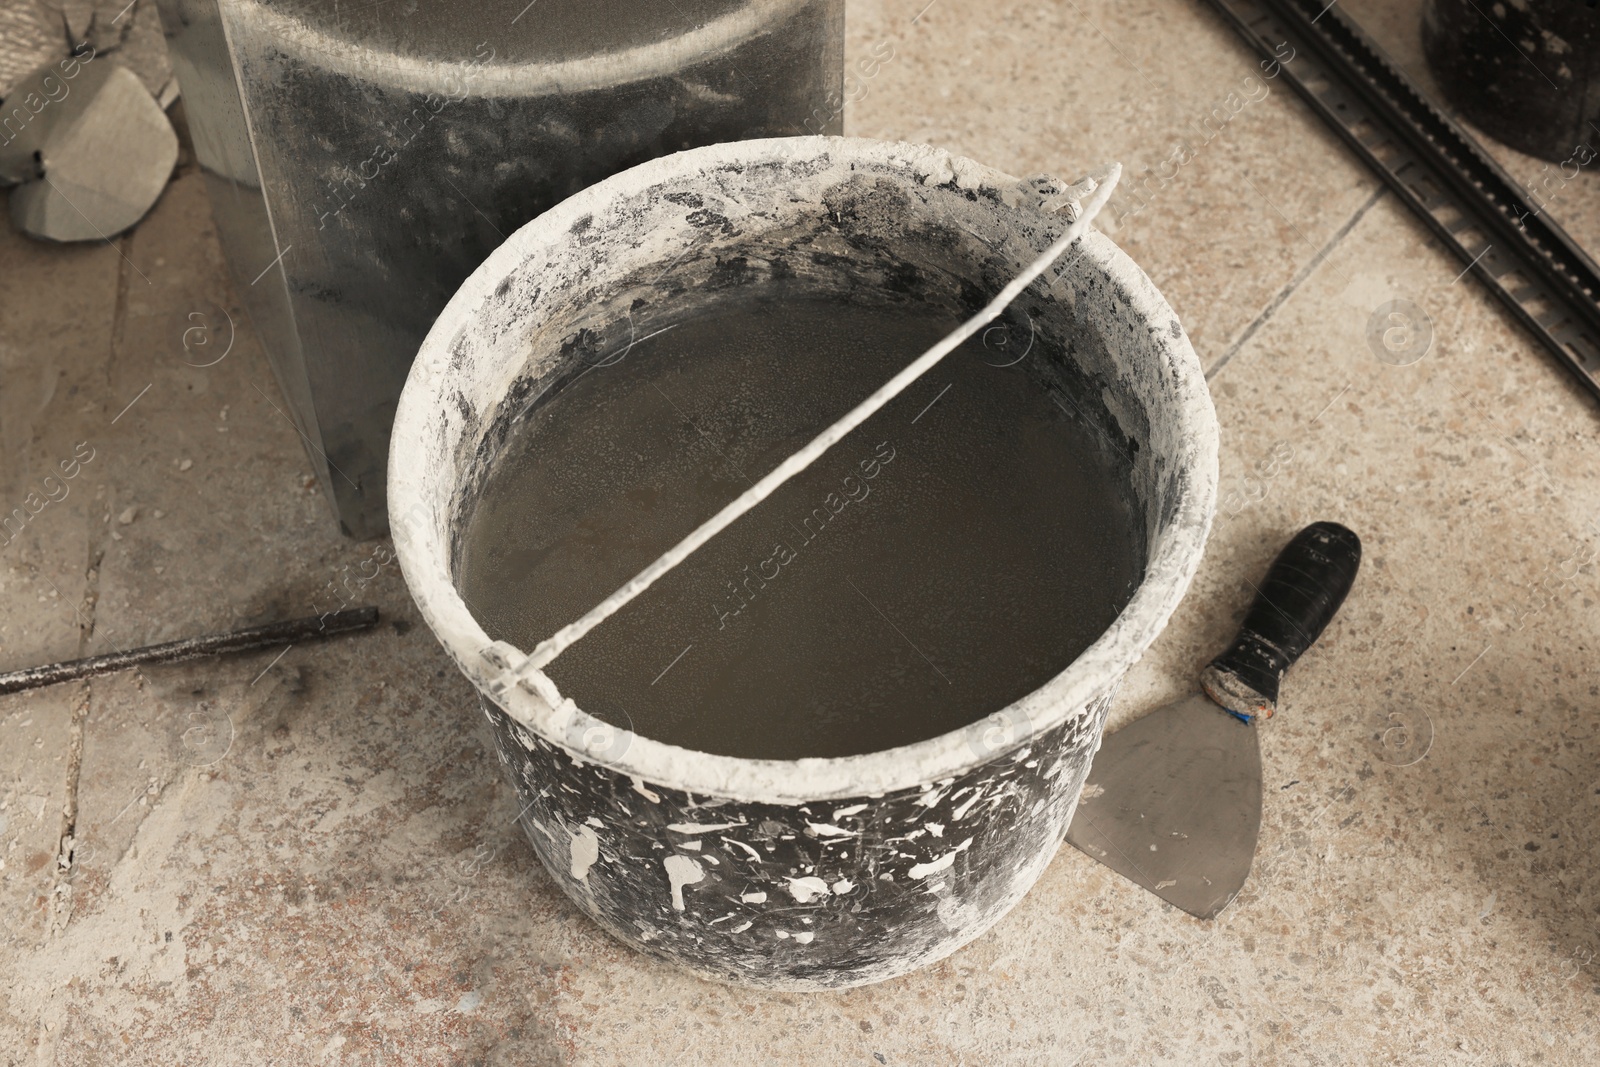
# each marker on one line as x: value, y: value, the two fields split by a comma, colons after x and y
x: 1542, y: 276
x: 312, y: 628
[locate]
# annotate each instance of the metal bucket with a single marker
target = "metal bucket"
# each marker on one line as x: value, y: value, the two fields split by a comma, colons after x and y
x: 365, y: 158
x: 810, y: 873
x: 1540, y: 95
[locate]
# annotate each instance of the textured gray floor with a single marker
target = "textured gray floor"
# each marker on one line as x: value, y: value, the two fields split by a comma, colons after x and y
x: 310, y: 860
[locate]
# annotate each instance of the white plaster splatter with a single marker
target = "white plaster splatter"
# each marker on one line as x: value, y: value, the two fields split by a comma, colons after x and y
x: 741, y: 928
x: 755, y: 896
x: 826, y: 829
x: 691, y: 845
x: 584, y: 852
x: 702, y: 827
x: 645, y: 791
x: 853, y: 809
x: 936, y: 829
x: 922, y: 870
x: 596, y: 823
x: 966, y: 805
x: 805, y: 889
x: 754, y: 855
x: 804, y: 938
x: 843, y: 886
x: 681, y: 871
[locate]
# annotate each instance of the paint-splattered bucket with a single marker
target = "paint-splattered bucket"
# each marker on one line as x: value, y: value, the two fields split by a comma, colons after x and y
x: 804, y: 874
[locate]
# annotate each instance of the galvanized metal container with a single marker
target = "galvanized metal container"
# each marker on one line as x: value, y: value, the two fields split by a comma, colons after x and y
x: 365, y: 158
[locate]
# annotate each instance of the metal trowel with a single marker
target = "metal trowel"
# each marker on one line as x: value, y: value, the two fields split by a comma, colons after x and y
x: 1173, y: 801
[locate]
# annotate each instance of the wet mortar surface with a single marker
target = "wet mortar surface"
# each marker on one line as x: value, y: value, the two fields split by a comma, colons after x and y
x: 991, y: 519
x: 314, y: 858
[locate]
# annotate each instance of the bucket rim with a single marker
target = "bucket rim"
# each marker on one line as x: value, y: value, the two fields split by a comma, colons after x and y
x: 422, y: 536
x: 498, y: 79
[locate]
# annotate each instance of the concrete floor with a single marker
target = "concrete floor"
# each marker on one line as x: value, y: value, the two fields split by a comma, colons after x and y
x: 310, y: 859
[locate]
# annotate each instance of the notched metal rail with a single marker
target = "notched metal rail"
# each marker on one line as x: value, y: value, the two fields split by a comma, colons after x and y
x: 1541, y: 275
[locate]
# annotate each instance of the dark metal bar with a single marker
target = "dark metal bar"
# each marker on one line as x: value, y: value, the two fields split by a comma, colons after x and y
x: 314, y: 628
x: 1527, y: 261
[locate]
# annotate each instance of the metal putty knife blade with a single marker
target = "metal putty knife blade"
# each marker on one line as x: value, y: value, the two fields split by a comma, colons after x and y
x: 1173, y: 803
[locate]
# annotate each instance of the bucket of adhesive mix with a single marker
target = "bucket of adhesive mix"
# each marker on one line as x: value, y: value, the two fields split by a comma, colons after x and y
x: 846, y: 734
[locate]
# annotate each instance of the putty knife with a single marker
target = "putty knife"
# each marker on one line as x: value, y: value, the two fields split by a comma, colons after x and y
x: 1173, y: 801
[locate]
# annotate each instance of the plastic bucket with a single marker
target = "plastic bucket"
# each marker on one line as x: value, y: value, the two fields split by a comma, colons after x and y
x: 809, y: 873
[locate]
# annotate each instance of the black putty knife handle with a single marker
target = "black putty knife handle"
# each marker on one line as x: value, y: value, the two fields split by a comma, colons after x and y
x: 1302, y: 592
